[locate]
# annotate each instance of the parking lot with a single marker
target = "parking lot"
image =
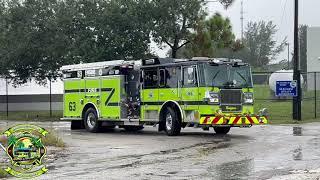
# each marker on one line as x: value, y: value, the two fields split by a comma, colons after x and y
x: 276, y: 152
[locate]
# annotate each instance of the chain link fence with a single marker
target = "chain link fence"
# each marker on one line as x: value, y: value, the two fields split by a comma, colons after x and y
x: 35, y: 102
x: 280, y: 108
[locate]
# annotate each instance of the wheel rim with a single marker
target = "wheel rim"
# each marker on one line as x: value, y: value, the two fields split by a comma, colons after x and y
x: 91, y: 120
x: 169, y: 121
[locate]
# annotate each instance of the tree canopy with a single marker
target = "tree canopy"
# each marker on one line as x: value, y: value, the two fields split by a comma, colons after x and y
x: 212, y: 36
x: 39, y: 36
x: 303, y: 47
x: 260, y: 44
x: 175, y: 20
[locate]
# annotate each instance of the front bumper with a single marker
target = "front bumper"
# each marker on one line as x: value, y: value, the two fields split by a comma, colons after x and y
x: 234, y: 120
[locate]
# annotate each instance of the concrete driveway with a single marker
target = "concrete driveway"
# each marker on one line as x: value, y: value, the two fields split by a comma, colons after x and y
x: 264, y: 152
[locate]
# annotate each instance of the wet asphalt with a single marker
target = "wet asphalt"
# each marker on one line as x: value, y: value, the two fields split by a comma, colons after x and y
x: 260, y: 152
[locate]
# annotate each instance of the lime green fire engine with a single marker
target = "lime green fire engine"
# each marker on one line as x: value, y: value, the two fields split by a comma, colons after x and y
x: 170, y: 93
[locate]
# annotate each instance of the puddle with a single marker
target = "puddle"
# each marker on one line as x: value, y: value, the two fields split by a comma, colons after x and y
x: 297, y: 131
x: 234, y: 170
x: 297, y: 154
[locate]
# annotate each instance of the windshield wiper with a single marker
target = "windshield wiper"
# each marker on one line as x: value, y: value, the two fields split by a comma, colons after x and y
x: 242, y: 77
x: 214, y: 77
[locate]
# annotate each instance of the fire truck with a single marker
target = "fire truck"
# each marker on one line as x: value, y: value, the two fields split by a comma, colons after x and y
x: 164, y: 92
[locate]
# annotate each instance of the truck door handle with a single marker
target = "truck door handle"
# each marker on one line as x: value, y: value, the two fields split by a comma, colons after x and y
x: 161, y: 94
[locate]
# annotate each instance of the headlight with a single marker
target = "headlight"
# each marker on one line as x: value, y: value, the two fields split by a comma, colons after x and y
x: 248, y: 98
x: 212, y: 97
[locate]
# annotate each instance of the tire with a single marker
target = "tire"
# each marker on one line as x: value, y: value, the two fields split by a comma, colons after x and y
x: 91, y: 122
x: 172, y: 122
x: 77, y: 125
x: 222, y: 130
x: 133, y: 128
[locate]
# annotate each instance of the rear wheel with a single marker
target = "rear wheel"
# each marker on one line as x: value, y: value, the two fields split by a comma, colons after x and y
x: 222, y: 130
x: 133, y: 128
x: 172, y: 122
x: 91, y: 121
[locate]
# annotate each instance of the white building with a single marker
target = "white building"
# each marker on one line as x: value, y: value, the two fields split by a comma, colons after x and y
x: 313, y: 57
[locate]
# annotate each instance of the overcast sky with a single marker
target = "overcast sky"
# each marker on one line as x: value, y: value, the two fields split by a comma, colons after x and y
x: 278, y: 11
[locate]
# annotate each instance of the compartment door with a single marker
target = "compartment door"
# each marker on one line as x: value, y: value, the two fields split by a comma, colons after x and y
x: 150, y: 95
x: 190, y: 91
x: 72, y: 107
x: 111, y: 89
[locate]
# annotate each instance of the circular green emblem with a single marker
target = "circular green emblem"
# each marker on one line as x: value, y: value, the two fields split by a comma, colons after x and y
x: 26, y: 151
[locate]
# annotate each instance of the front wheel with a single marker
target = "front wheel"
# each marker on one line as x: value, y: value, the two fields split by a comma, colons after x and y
x: 222, y: 130
x: 91, y: 121
x: 172, y: 122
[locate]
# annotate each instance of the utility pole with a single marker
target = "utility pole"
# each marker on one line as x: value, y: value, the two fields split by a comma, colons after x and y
x: 242, y: 19
x: 296, y: 70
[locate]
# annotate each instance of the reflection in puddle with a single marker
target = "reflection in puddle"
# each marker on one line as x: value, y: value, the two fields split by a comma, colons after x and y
x: 297, y: 131
x: 234, y: 170
x: 297, y: 154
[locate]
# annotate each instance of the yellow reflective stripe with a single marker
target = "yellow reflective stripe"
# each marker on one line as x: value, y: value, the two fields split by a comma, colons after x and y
x: 201, y: 120
x: 255, y: 120
x: 264, y: 120
x: 242, y: 120
x: 211, y: 120
x: 221, y: 121
x: 232, y: 119
x: 246, y: 120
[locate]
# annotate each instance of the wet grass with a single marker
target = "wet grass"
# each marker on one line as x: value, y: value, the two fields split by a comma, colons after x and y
x: 280, y: 111
x: 32, y: 115
x: 52, y: 139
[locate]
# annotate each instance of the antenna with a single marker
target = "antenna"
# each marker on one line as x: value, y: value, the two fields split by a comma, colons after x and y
x: 242, y: 19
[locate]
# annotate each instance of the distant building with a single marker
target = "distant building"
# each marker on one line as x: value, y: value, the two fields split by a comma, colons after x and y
x: 31, y: 96
x: 313, y: 57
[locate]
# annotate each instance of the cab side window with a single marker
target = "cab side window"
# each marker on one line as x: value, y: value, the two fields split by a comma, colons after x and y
x: 190, y: 77
x: 172, y: 75
x: 150, y: 79
x: 169, y: 77
x: 163, y: 80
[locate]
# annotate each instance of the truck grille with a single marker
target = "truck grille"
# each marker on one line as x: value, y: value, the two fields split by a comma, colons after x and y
x: 230, y: 96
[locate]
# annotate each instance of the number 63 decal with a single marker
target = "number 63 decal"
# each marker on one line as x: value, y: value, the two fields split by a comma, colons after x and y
x: 72, y: 106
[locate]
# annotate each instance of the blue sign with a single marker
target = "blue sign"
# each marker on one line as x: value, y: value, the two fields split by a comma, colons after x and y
x: 286, y: 88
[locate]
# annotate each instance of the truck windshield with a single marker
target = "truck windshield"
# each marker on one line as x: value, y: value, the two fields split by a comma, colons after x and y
x: 227, y: 76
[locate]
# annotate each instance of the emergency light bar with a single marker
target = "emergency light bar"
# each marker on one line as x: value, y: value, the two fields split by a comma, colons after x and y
x: 95, y: 65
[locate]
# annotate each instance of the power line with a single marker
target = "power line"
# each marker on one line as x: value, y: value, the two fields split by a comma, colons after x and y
x: 283, y: 12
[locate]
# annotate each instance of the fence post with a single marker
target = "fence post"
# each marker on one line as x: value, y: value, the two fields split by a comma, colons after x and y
x: 315, y: 95
x: 7, y: 98
x: 50, y: 98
